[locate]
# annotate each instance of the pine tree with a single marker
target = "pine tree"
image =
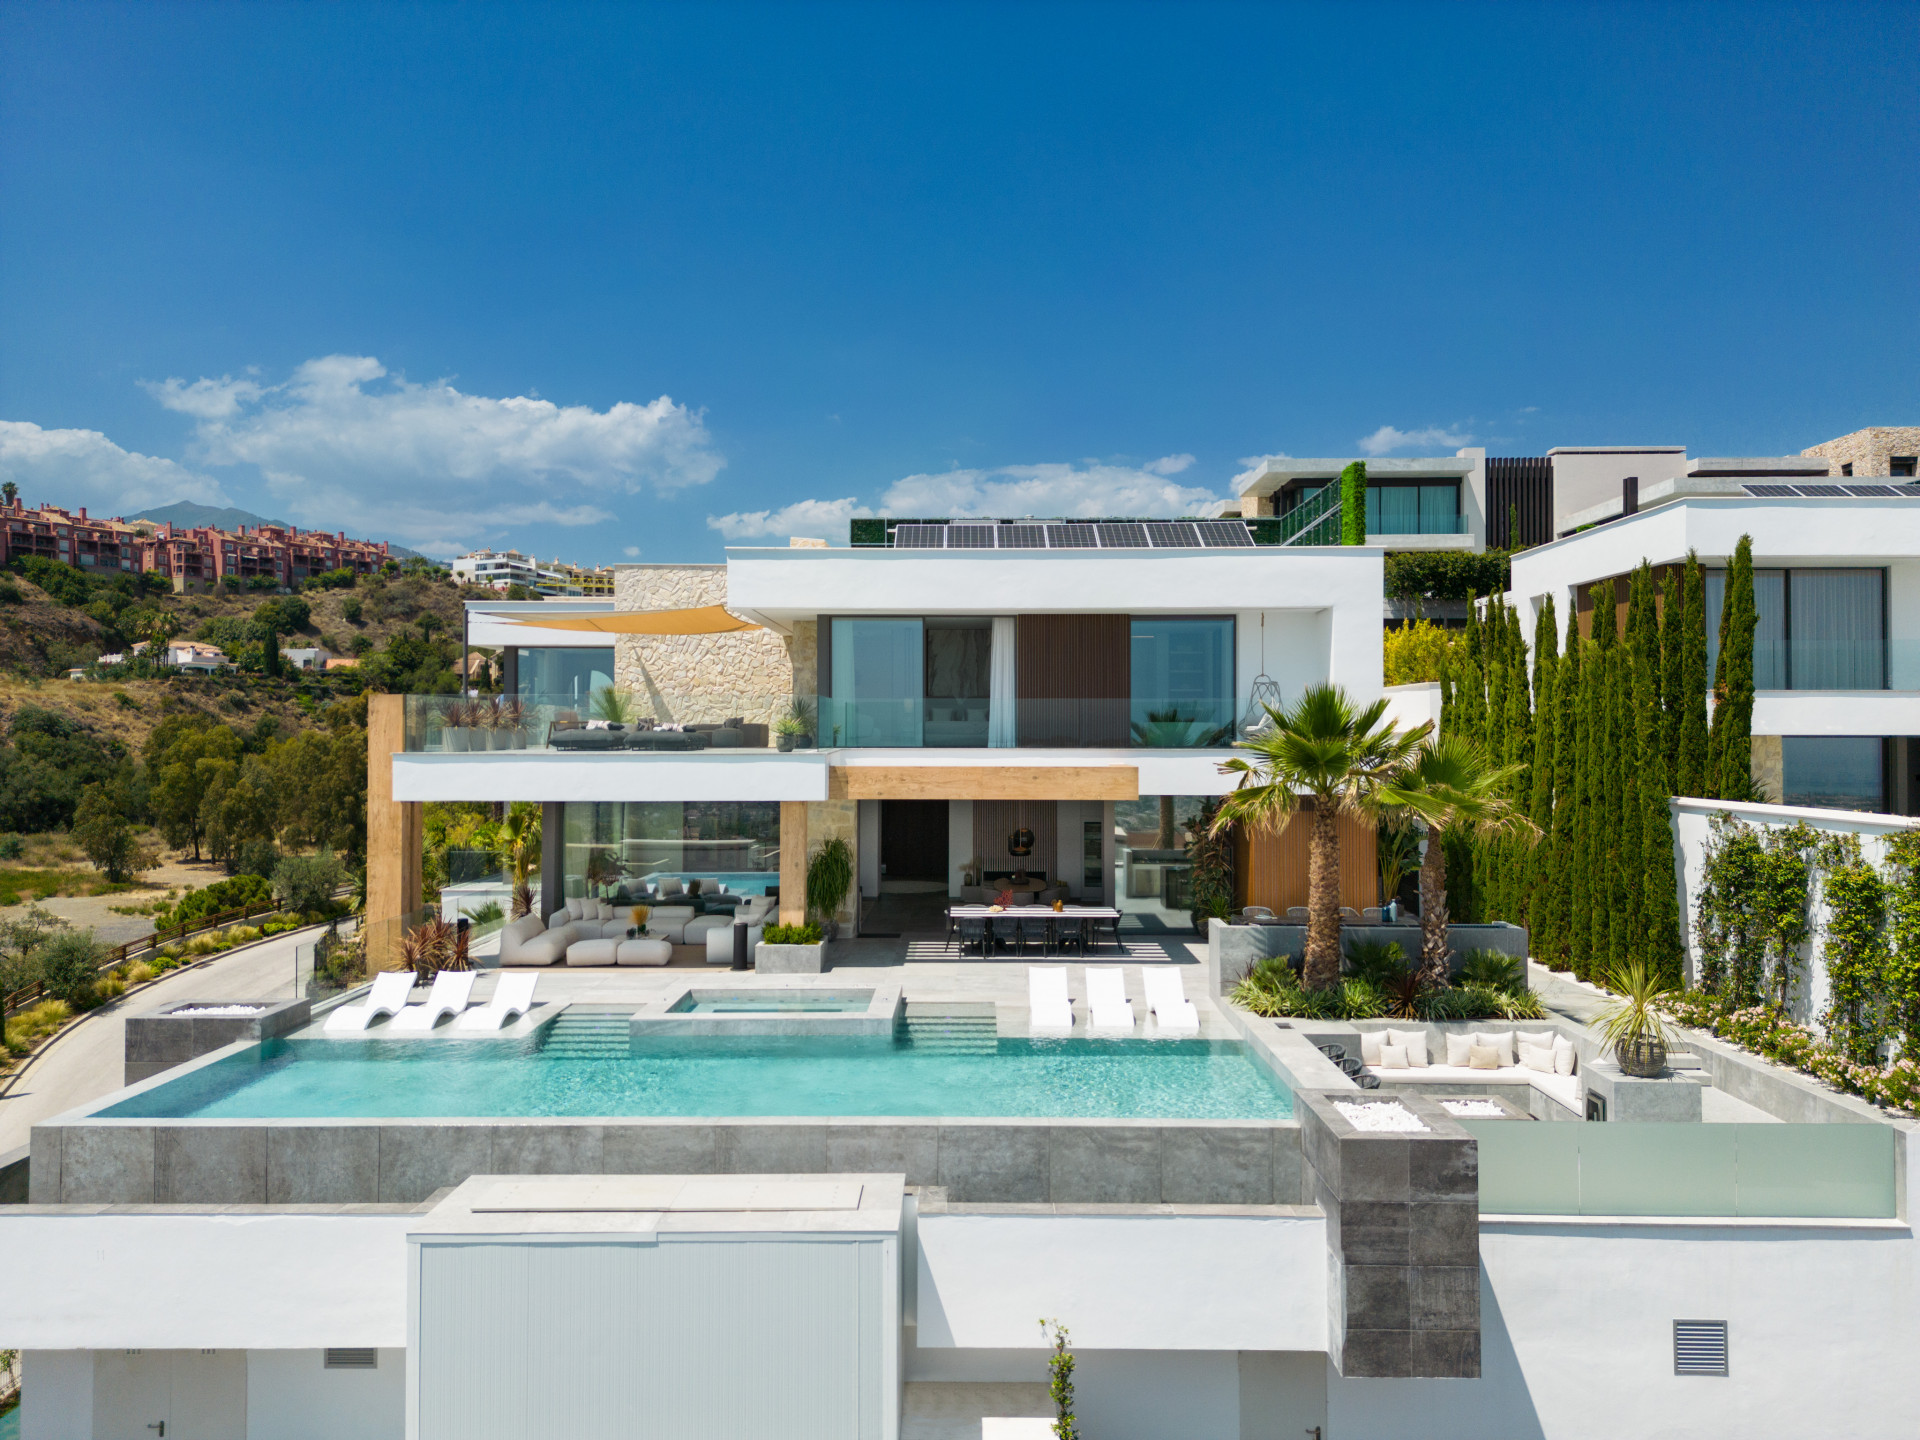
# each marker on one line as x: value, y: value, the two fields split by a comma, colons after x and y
x: 1542, y: 897
x: 1688, y: 699
x: 1730, y: 740
x: 1570, y: 890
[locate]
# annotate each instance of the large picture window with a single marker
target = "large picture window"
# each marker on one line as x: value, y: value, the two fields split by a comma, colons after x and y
x: 878, y: 683
x: 1817, y: 629
x: 567, y: 677
x: 1833, y: 772
x: 1413, y: 509
x: 1181, y: 673
x: 612, y: 849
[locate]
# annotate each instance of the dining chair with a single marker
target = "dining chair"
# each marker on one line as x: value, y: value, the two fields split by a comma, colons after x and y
x: 1070, y: 930
x: 972, y: 930
x: 1006, y: 932
x: 1035, y: 927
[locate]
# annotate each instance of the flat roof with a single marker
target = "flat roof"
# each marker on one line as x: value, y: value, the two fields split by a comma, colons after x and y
x: 1279, y: 472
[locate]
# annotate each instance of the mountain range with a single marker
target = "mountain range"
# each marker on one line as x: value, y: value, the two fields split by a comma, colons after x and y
x: 186, y: 514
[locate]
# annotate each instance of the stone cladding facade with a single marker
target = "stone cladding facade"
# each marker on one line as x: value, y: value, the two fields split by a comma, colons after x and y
x: 1869, y: 451
x: 699, y: 679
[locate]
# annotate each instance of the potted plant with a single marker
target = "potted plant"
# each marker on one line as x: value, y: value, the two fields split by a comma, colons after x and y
x: 453, y: 726
x: 513, y: 721
x: 800, y: 713
x: 829, y: 878
x: 1630, y: 1026
x: 786, y: 731
x: 791, y: 950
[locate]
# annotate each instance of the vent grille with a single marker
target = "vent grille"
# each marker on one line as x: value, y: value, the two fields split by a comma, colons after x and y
x: 1700, y: 1347
x: 353, y: 1358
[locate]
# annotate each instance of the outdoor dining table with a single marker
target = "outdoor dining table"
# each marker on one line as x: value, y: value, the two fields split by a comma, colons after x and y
x: 1094, y: 915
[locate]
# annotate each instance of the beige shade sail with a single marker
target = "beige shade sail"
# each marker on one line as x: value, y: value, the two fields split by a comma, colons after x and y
x: 704, y: 620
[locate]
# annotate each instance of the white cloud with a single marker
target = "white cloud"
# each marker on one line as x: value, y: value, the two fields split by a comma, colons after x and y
x: 1089, y: 488
x: 823, y: 519
x: 345, y: 444
x: 1387, y: 439
x: 83, y: 467
x: 632, y: 552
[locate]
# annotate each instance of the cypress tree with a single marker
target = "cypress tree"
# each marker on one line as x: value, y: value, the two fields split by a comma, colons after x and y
x: 1640, y: 765
x: 1688, y: 699
x: 1603, y: 780
x: 1730, y: 740
x: 1568, y: 813
x: 1542, y: 901
x: 1493, y: 643
x: 1516, y: 855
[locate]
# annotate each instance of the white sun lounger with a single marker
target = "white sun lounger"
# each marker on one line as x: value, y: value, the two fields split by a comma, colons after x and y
x: 448, y: 997
x: 1048, y: 1008
x: 513, y: 995
x: 1107, y: 999
x: 389, y: 994
x: 1167, y: 999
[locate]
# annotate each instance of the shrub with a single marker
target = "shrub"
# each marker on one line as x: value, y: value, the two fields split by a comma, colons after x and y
x: 71, y: 963
x: 139, y: 973
x: 199, y: 945
x: 1413, y: 654
x: 11, y: 847
x: 1378, y: 962
x: 1446, y: 574
x: 306, y: 882
x: 10, y: 593
x: 30, y: 1027
x: 808, y: 934
x: 241, y: 892
x: 485, y: 914
x: 1493, y: 971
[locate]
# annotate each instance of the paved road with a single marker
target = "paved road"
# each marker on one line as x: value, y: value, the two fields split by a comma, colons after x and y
x: 88, y: 1061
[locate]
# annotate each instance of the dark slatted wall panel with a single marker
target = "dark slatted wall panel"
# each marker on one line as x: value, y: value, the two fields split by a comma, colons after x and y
x: 1071, y: 679
x: 1524, y: 485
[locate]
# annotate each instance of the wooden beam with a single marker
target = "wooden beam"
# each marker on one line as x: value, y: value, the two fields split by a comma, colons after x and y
x: 983, y: 782
x: 793, y: 862
x: 393, y: 826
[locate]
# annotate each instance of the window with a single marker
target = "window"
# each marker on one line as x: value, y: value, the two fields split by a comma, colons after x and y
x: 1901, y: 465
x: 1818, y: 629
x: 614, y: 848
x: 1413, y: 509
x: 1181, y: 672
x: 563, y: 676
x: 1833, y: 772
x: 878, y: 677
x: 1847, y: 468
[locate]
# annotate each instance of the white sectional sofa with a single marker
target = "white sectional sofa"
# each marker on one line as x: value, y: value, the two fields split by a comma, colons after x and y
x: 1444, y: 1046
x: 531, y: 941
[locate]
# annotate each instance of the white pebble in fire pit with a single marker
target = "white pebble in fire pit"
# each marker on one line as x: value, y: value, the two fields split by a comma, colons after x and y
x: 1490, y: 1108
x: 1383, y: 1115
x: 217, y: 1012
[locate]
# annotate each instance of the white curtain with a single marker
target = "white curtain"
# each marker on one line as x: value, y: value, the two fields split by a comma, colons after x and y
x: 1000, y: 724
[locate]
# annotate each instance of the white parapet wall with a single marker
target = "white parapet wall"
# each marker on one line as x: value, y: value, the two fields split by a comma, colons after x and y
x: 1693, y: 834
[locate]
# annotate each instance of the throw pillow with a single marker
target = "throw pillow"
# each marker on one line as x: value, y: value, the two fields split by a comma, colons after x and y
x: 1500, y: 1042
x: 670, y: 885
x: 1563, y: 1056
x: 577, y: 908
x: 1537, y: 1057
x: 1393, y: 1057
x: 603, y: 911
x: 1483, y: 1057
x: 1457, y: 1048
x: 1414, y: 1042
x: 1370, y: 1046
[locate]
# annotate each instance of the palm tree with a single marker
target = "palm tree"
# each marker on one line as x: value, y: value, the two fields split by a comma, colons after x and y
x: 1326, y: 746
x: 516, y: 840
x: 9, y: 492
x: 1451, y: 785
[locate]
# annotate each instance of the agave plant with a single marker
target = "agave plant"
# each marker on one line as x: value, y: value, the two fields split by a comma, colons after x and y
x: 1403, y: 993
x: 1631, y: 1025
x: 430, y: 948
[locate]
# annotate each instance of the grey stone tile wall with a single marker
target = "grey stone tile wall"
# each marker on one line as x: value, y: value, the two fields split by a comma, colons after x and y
x: 292, y: 1162
x: 1403, y: 1228
x: 159, y: 1042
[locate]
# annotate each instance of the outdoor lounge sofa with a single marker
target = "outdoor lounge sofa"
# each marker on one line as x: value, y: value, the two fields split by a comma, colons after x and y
x: 1562, y: 1085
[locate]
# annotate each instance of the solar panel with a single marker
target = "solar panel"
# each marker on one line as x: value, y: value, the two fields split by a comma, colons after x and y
x: 1771, y: 492
x: 1022, y: 537
x: 1126, y: 535
x: 919, y: 537
x: 1173, y: 535
x: 970, y: 537
x: 1072, y: 537
x: 1220, y: 533
x: 1873, y: 490
x: 1823, y: 491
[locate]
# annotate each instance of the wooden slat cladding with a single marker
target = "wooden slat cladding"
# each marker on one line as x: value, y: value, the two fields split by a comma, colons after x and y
x: 1272, y: 868
x: 1071, y: 680
x: 1521, y: 487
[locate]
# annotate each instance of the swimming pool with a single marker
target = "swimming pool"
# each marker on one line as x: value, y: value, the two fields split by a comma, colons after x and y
x: 772, y: 1002
x: 1088, y: 1079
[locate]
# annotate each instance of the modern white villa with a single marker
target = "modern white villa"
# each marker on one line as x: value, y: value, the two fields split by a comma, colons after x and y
x: 659, y: 1174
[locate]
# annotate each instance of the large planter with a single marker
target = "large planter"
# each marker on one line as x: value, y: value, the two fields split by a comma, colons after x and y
x: 518, y: 736
x: 783, y: 744
x: 790, y: 959
x: 454, y: 738
x: 1644, y: 1058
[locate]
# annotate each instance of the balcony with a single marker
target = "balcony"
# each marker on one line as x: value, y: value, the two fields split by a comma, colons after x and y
x: 605, y: 721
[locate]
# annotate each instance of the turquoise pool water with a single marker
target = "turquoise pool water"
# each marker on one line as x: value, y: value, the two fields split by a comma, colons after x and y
x: 1170, y: 1079
x: 704, y: 1002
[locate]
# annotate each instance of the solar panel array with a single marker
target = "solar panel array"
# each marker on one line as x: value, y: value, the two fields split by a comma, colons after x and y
x: 1074, y: 535
x: 1828, y: 492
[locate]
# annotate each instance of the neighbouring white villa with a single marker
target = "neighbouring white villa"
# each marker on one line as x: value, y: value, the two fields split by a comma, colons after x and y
x: 654, y: 1168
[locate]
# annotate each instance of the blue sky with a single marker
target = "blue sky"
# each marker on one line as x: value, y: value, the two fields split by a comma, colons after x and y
x: 617, y: 282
